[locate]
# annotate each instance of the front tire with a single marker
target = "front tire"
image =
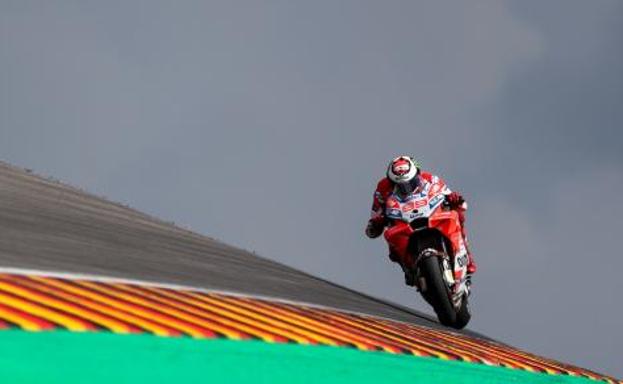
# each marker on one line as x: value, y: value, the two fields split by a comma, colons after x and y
x: 437, y: 292
x: 463, y: 315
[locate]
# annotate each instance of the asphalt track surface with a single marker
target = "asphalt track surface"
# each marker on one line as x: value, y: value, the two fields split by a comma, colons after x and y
x: 46, y: 225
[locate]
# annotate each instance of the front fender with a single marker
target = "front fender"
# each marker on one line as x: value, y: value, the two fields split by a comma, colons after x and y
x: 448, y: 223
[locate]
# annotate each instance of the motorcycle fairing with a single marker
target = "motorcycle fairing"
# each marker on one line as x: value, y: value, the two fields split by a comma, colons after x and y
x: 417, y: 205
x: 425, y: 204
x: 447, y: 222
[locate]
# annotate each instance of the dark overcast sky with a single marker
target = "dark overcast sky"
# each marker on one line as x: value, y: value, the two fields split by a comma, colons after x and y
x: 267, y: 125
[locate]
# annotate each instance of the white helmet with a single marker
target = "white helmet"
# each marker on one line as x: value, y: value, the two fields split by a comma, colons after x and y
x: 403, y: 172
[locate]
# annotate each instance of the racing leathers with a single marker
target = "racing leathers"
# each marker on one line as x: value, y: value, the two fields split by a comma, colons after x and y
x: 378, y: 220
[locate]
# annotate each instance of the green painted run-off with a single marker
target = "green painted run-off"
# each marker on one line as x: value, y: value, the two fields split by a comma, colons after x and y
x: 60, y: 357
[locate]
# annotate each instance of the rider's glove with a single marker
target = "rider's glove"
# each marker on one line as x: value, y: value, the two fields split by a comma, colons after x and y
x: 374, y: 229
x: 455, y: 200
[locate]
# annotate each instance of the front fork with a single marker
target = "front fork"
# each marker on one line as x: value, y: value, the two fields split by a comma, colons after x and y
x: 458, y: 284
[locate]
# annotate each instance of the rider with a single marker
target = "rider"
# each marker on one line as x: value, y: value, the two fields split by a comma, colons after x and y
x: 405, y: 176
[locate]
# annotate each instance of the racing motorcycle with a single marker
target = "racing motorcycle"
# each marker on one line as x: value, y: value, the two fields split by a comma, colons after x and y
x: 426, y: 235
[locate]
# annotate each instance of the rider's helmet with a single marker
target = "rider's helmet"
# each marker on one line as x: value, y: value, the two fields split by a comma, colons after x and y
x: 404, y: 171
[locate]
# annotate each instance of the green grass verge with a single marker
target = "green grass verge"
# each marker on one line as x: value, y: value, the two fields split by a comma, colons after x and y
x: 65, y: 357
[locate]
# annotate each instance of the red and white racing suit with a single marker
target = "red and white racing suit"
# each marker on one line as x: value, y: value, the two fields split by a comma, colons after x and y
x: 384, y: 189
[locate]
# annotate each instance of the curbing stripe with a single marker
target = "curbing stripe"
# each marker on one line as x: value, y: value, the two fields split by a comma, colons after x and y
x: 37, y: 303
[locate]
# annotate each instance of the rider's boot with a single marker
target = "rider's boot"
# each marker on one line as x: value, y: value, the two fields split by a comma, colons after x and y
x: 471, y: 264
x: 409, y: 274
x: 471, y: 269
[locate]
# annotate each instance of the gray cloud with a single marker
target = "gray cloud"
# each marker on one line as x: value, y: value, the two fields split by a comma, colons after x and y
x: 267, y: 124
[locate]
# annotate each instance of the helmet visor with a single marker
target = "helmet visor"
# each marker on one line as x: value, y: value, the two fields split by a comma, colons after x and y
x: 405, y: 188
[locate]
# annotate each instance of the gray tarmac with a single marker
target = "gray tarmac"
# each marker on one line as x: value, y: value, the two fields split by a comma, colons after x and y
x: 50, y: 226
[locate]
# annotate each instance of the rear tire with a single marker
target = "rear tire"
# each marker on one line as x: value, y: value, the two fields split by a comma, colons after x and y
x: 437, y: 291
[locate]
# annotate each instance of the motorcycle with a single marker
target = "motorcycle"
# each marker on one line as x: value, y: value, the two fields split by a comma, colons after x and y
x: 425, y: 233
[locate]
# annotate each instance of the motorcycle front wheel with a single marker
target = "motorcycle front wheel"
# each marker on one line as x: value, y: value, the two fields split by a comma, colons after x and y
x: 463, y: 315
x: 437, y: 292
